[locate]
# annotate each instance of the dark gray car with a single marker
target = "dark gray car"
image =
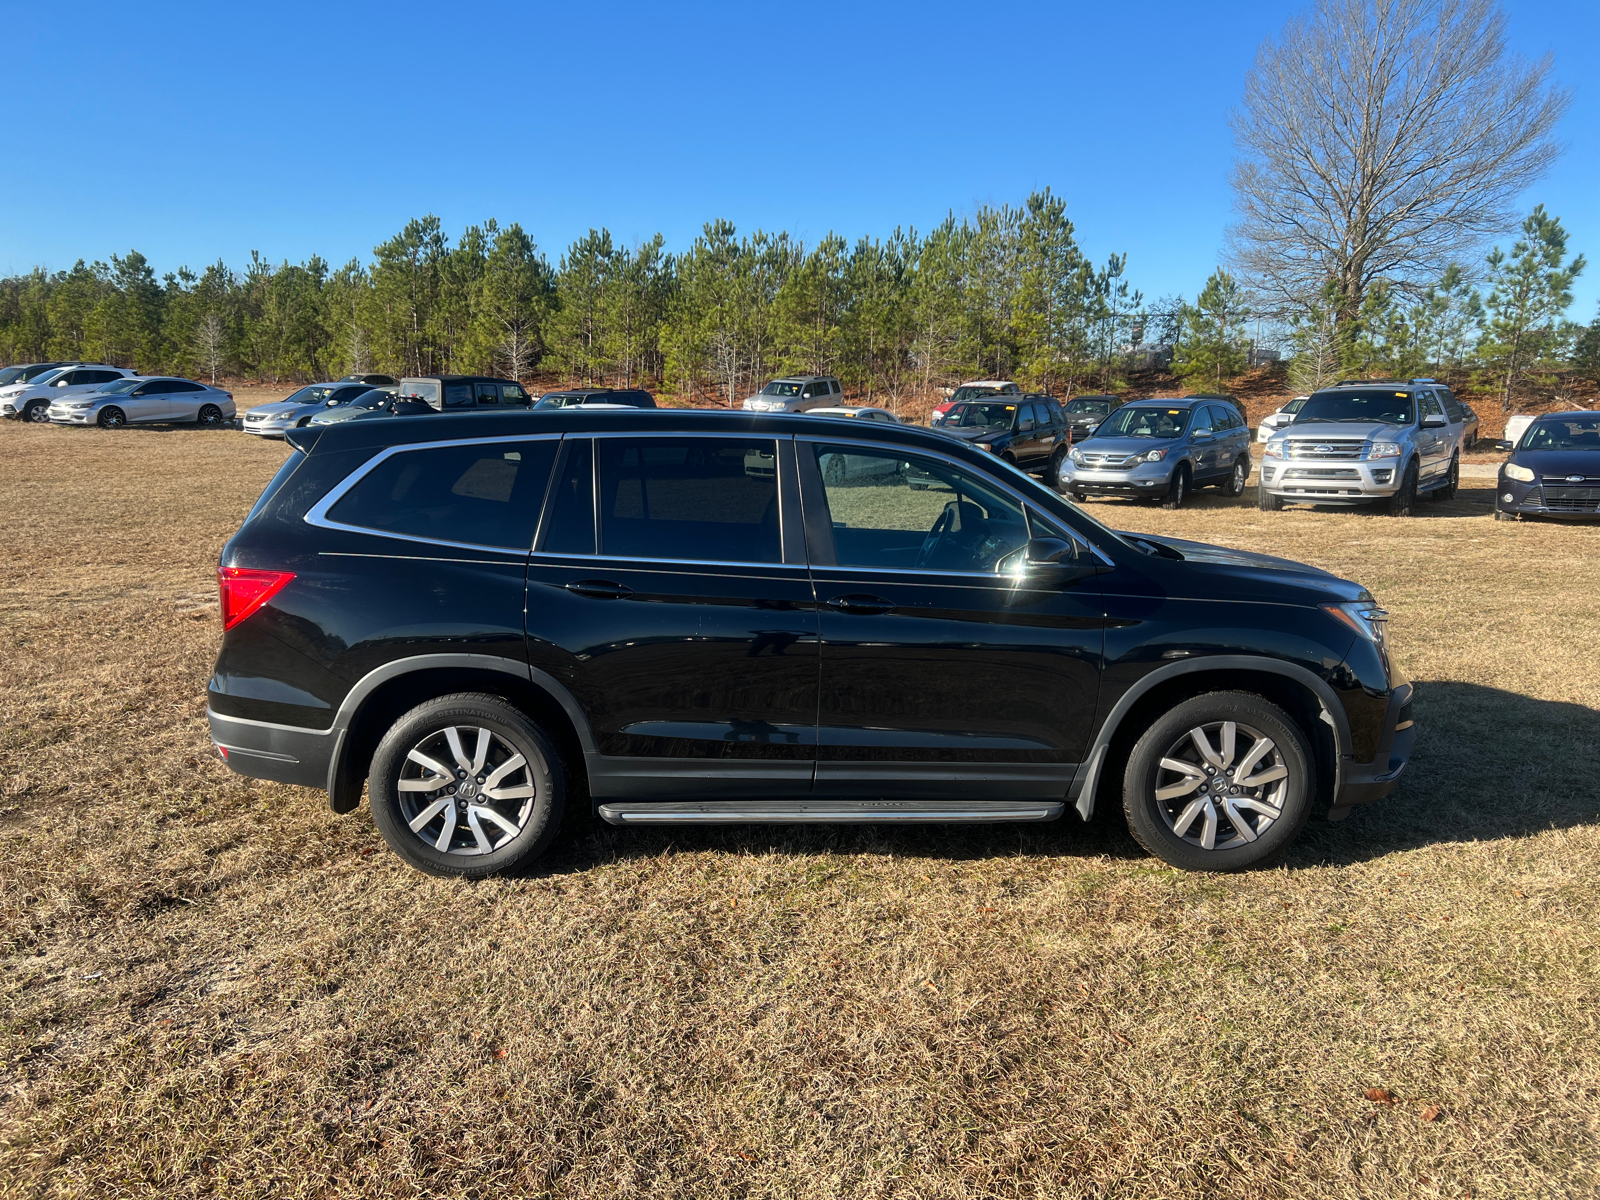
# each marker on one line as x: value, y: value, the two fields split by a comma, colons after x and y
x: 1161, y: 449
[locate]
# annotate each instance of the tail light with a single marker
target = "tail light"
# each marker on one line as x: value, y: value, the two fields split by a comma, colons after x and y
x: 244, y: 590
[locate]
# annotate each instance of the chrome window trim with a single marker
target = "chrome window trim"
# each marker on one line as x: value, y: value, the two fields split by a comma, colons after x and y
x: 542, y: 557
x: 594, y: 479
x: 318, y: 513
x: 1025, y: 501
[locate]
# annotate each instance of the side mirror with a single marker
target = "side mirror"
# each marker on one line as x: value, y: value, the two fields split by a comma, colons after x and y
x: 1043, y: 562
x: 1202, y: 435
x: 1434, y: 422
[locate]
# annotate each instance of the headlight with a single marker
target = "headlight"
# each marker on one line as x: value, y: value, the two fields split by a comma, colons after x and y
x: 1076, y: 456
x: 1368, y: 621
x: 985, y: 447
x: 1520, y: 473
x: 1152, y: 456
x: 1273, y: 450
x: 1383, y: 450
x: 79, y: 404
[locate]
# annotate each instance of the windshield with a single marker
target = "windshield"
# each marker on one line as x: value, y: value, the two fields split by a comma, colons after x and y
x: 779, y: 388
x: 120, y: 386
x: 972, y: 393
x: 1385, y: 408
x: 1098, y: 407
x: 1295, y: 406
x: 10, y: 374
x: 1564, y: 433
x: 48, y: 377
x: 1144, y: 422
x: 983, y: 416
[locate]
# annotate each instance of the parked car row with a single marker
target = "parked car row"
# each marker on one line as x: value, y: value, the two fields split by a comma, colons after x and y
x: 109, y: 397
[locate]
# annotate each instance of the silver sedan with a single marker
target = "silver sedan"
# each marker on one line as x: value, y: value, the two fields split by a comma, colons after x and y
x: 147, y: 399
x: 271, y: 420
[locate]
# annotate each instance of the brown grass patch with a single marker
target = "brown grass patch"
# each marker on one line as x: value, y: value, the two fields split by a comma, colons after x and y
x: 213, y: 986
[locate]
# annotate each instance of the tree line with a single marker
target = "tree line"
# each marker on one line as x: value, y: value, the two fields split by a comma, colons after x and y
x: 1004, y: 292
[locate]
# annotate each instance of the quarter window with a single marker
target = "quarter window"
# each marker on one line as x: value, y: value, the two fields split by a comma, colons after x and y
x: 571, y: 523
x: 484, y: 494
x: 692, y: 499
x: 457, y: 394
x: 904, y: 512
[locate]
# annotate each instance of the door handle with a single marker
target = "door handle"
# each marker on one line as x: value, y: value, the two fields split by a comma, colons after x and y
x: 599, y: 589
x: 861, y: 605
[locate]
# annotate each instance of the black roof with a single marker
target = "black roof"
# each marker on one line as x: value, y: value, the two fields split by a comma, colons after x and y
x: 447, y: 426
x: 463, y: 378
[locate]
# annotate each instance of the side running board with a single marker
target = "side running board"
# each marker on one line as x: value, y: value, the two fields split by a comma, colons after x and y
x: 829, y: 812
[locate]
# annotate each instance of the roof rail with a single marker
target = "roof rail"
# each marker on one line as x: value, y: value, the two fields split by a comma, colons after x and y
x: 1348, y: 382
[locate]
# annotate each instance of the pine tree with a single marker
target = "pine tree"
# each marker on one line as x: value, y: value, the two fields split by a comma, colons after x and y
x: 1213, y: 339
x: 1530, y: 289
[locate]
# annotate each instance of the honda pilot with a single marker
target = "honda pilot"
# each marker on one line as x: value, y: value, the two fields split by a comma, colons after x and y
x: 703, y: 618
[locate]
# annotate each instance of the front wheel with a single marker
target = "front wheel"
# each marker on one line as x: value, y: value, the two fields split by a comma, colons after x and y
x: 1404, y: 502
x: 1222, y: 782
x: 1178, y: 489
x: 37, y: 413
x: 467, y: 786
x: 112, y: 418
x: 1265, y: 500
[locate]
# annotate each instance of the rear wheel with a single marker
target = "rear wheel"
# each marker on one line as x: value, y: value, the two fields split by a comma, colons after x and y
x: 112, y: 417
x: 37, y: 413
x: 1178, y: 488
x: 1452, y: 481
x: 1404, y: 502
x: 1053, y: 471
x: 1234, y: 487
x: 210, y: 414
x: 1222, y: 782
x: 467, y: 786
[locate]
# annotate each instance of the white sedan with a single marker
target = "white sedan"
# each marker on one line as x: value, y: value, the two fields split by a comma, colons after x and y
x: 147, y: 399
x: 1281, y: 419
x: 861, y: 412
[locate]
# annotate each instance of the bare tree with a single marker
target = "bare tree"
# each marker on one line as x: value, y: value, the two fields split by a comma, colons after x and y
x: 1383, y: 139
x: 209, y: 333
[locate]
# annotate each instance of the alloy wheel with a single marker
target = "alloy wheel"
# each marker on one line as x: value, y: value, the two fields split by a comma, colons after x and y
x: 466, y: 790
x: 39, y: 414
x: 1222, y: 785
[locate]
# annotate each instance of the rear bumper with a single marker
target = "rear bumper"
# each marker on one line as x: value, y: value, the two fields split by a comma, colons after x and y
x: 282, y: 753
x: 1362, y: 783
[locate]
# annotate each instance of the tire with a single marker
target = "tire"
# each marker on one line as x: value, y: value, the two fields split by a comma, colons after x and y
x: 1404, y: 502
x: 1265, y: 500
x: 511, y: 830
x: 1173, y: 813
x: 1052, y: 473
x: 1449, y: 490
x: 1234, y: 487
x: 1178, y: 488
x: 37, y: 413
x: 210, y: 415
x: 1504, y: 516
x: 112, y: 417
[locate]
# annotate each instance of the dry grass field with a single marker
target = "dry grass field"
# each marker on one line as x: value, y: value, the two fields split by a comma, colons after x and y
x: 213, y: 986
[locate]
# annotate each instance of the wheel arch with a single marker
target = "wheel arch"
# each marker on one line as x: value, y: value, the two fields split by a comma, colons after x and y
x: 381, y: 696
x: 1310, y: 701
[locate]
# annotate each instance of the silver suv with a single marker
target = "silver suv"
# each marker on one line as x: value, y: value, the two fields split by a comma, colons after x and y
x: 1366, y: 441
x: 796, y: 393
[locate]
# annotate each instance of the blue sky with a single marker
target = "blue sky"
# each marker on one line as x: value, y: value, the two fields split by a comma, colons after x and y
x: 197, y: 132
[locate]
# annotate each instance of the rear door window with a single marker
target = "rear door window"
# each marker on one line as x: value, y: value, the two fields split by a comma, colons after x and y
x: 689, y: 499
x: 475, y: 494
x: 488, y: 393
x: 512, y: 393
x: 457, y: 395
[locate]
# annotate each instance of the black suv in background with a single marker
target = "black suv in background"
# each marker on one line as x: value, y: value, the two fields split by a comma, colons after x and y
x: 420, y: 395
x: 1084, y: 413
x: 1026, y: 431
x: 699, y: 618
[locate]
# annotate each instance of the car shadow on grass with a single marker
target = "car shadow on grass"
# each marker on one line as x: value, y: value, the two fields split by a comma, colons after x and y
x: 1488, y: 764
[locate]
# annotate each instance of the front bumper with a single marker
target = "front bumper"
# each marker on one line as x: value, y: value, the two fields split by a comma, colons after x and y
x: 61, y: 415
x: 1350, y: 481
x: 1547, y: 498
x: 275, y: 429
x: 1362, y: 783
x: 1145, y: 479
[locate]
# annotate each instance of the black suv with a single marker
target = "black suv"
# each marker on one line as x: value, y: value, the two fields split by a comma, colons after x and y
x: 705, y: 618
x: 420, y: 395
x: 1026, y: 431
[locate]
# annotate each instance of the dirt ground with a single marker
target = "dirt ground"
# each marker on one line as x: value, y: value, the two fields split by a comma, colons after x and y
x: 213, y: 986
